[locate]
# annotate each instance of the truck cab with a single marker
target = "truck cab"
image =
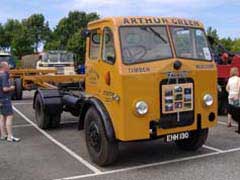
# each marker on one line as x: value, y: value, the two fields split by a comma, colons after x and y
x: 62, y: 61
x: 156, y: 76
x: 146, y: 78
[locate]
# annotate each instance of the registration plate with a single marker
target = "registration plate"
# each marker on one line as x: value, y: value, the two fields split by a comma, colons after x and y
x: 176, y: 137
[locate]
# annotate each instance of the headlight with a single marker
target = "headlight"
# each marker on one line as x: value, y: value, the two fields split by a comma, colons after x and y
x: 141, y: 107
x: 208, y: 100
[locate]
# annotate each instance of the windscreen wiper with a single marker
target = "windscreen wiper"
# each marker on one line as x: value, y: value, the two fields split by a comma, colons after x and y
x: 155, y: 33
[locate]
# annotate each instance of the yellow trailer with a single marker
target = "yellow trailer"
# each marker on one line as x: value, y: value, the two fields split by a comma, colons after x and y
x: 29, y: 79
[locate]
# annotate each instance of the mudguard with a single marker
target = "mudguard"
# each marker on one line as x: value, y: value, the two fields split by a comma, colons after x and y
x: 109, y: 130
x: 51, y: 100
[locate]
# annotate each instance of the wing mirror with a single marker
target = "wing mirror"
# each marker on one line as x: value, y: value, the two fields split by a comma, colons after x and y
x: 111, y: 59
x: 211, y: 40
x: 85, y: 33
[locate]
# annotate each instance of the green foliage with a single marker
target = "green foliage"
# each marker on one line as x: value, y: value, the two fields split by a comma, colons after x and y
x: 2, y: 37
x: 67, y: 34
x: 213, y: 33
x: 17, y: 62
x: 76, y: 44
x: 69, y: 25
x: 228, y: 43
x: 21, y: 43
x: 11, y: 30
x: 236, y: 45
x: 38, y: 29
x: 54, y: 44
x: 25, y: 37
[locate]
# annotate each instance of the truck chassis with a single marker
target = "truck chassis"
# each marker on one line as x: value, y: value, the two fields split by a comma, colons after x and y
x: 29, y: 79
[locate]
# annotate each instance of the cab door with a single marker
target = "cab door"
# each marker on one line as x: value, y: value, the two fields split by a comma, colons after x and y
x: 109, y: 69
x: 100, y: 65
x: 93, y: 58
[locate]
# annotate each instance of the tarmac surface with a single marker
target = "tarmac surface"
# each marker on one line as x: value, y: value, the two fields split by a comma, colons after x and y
x: 62, y: 154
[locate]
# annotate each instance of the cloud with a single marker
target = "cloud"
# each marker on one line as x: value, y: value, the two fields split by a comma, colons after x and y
x: 145, y: 7
x: 221, y: 14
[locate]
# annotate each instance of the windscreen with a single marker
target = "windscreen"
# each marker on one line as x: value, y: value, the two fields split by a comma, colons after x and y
x: 58, y: 57
x: 53, y: 57
x: 66, y: 57
x: 190, y: 43
x: 5, y: 58
x: 144, y: 44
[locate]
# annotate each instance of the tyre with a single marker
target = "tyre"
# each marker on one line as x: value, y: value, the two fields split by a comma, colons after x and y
x: 18, y: 89
x: 222, y: 107
x: 55, y: 121
x: 222, y: 102
x: 195, y: 141
x: 101, y: 151
x: 45, y: 120
x: 42, y: 118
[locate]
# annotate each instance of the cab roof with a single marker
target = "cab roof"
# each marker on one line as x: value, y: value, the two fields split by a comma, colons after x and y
x: 148, y: 20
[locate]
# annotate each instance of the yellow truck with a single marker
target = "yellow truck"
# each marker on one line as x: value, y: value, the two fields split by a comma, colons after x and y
x: 146, y: 78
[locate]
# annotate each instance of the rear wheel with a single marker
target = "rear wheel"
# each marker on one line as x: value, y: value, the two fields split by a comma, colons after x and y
x: 18, y: 89
x: 55, y: 121
x: 195, y: 141
x: 44, y: 119
x: 101, y: 150
x: 18, y: 92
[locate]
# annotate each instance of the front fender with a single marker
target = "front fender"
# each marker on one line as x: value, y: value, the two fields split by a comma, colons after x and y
x: 106, y: 119
x: 51, y: 100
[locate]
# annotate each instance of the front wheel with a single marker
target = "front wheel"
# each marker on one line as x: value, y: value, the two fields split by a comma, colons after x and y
x: 195, y: 141
x: 101, y: 150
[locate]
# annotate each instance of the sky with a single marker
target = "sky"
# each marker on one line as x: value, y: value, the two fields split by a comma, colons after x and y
x: 223, y: 15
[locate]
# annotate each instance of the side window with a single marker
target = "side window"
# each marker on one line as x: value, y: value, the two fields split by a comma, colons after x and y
x: 94, y: 45
x: 108, y: 51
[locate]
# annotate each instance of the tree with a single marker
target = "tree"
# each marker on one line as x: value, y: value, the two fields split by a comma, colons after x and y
x: 67, y: 34
x: 69, y: 25
x: 11, y: 29
x: 76, y: 44
x: 213, y: 33
x: 54, y: 44
x: 236, y: 45
x: 15, y: 36
x: 2, y: 36
x: 21, y: 43
x: 38, y: 29
x: 227, y: 43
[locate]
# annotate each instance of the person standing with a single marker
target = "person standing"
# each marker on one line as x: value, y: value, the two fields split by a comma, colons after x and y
x: 233, y: 89
x: 6, y: 109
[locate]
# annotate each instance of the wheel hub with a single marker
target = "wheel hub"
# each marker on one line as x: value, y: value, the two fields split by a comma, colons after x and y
x: 94, y: 137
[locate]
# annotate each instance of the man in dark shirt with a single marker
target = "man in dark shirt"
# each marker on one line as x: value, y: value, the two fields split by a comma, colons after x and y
x: 6, y: 109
